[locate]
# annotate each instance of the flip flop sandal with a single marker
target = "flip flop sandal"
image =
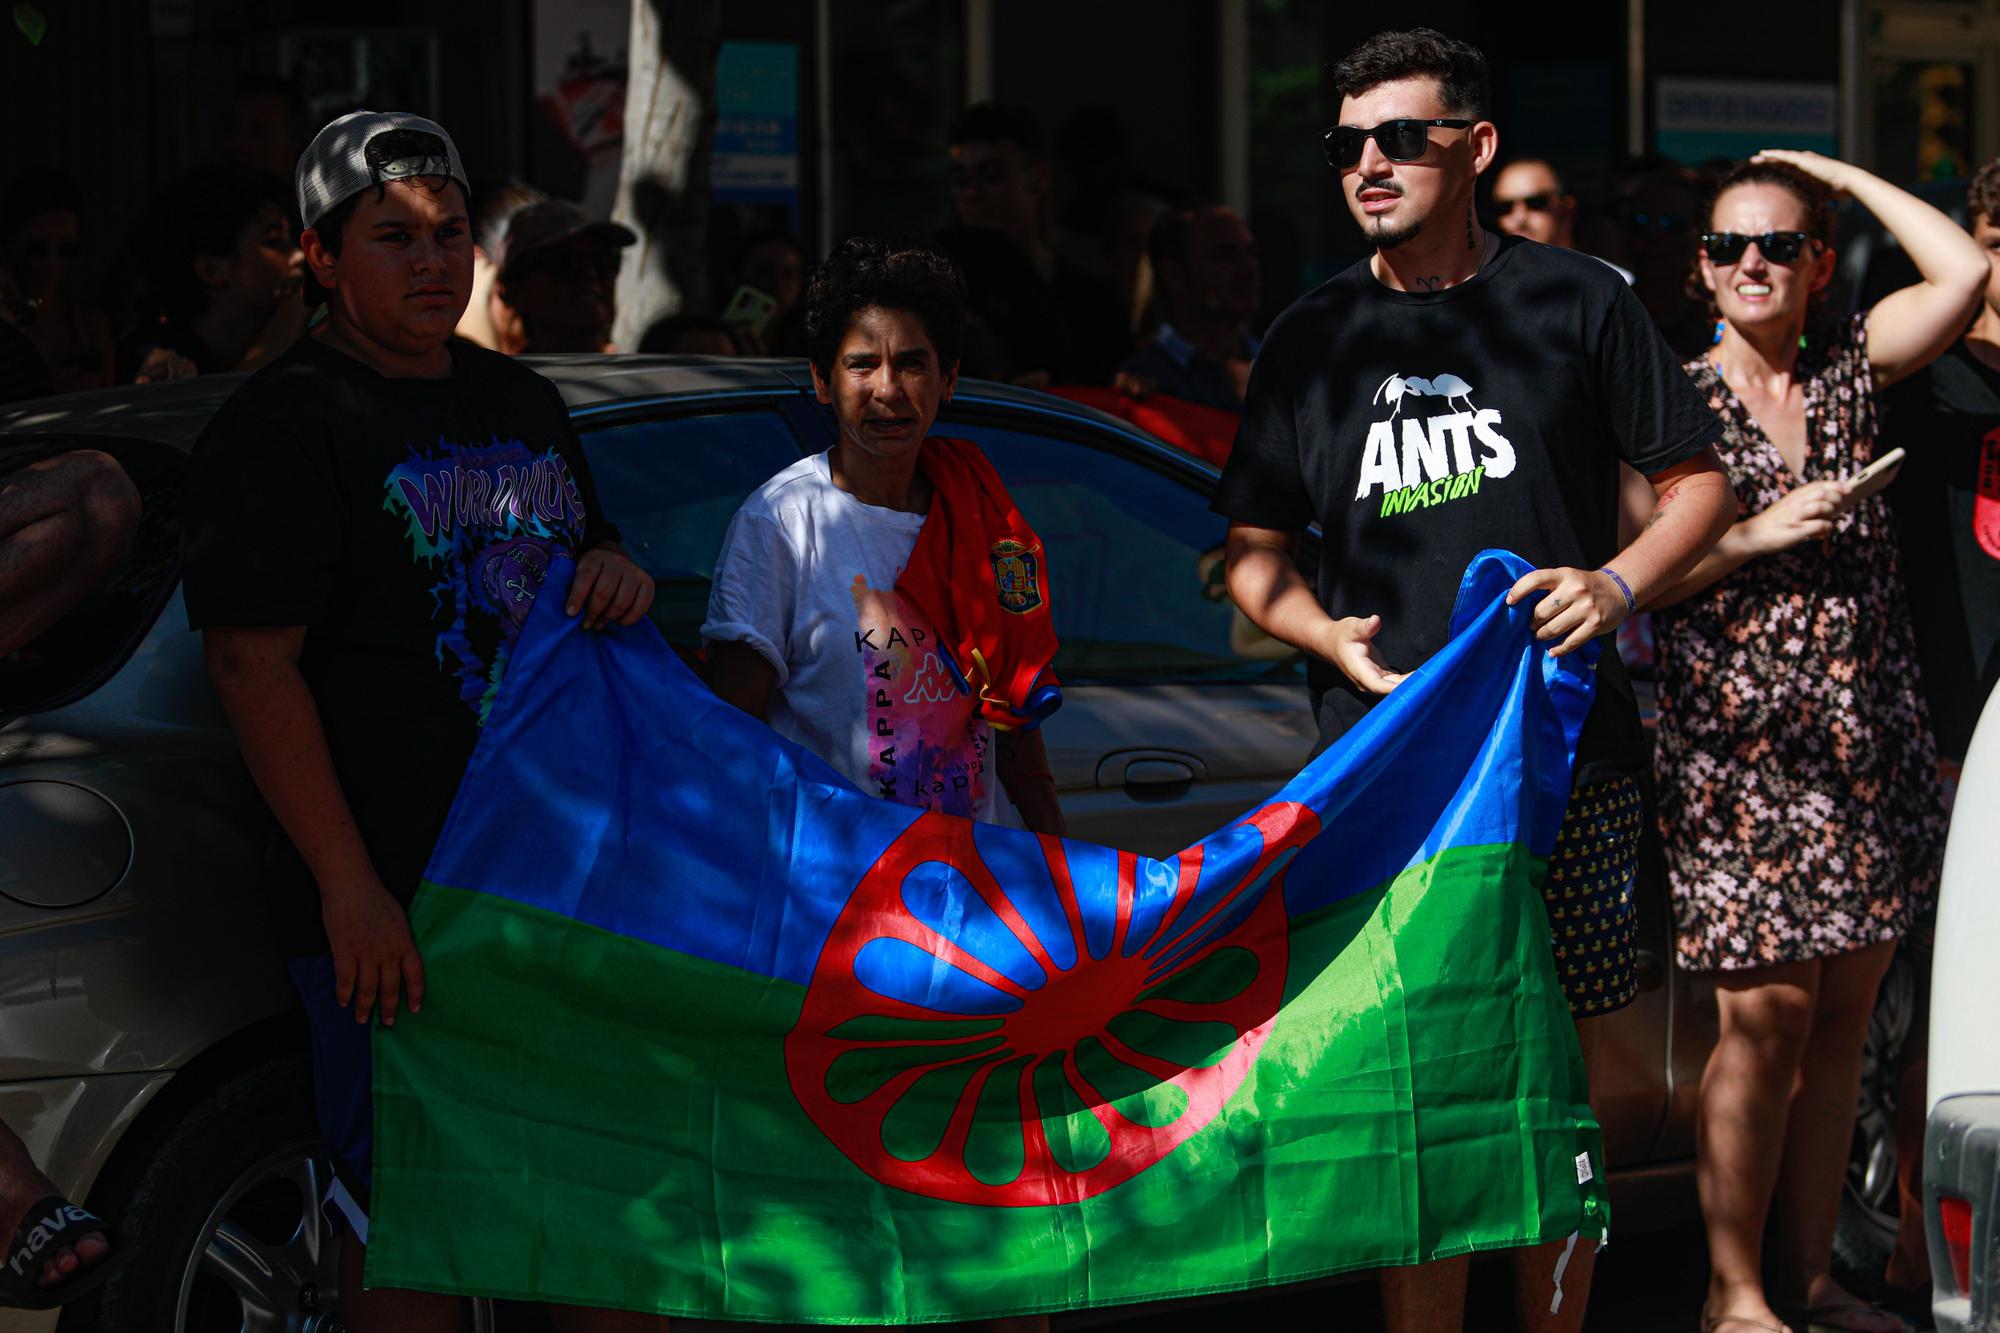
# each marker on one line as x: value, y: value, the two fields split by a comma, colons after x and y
x: 52, y: 1225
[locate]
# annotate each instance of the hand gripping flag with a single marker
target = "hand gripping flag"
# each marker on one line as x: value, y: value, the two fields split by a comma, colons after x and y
x: 708, y: 1032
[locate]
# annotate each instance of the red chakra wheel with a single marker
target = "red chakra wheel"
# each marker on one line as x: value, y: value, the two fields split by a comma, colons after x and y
x: 1042, y: 1041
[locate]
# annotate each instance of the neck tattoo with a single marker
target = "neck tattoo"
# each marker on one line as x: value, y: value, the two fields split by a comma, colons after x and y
x: 1430, y: 284
x: 1468, y: 227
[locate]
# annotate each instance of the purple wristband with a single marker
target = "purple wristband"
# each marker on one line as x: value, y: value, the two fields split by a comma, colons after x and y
x: 1631, y: 602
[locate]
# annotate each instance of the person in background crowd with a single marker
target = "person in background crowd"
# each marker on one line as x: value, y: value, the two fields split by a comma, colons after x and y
x: 1101, y: 198
x: 559, y: 275
x: 268, y: 125
x: 1055, y: 322
x: 772, y: 264
x: 488, y: 320
x: 1658, y: 215
x: 227, y: 276
x: 1529, y: 201
x: 322, y: 589
x: 1445, y: 311
x: 1797, y: 777
x: 41, y: 242
x: 695, y: 335
x: 1205, y: 262
x: 1948, y: 417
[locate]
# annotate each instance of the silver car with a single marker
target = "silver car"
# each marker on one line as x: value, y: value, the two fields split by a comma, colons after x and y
x: 151, y: 1052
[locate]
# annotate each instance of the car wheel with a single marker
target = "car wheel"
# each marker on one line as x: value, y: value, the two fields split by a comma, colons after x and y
x: 224, y: 1218
x: 1870, y: 1209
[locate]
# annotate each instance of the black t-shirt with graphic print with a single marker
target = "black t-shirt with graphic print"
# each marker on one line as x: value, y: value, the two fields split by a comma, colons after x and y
x: 407, y: 524
x: 1418, y: 429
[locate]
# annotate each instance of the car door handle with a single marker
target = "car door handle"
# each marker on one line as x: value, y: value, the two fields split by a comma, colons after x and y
x: 1157, y: 779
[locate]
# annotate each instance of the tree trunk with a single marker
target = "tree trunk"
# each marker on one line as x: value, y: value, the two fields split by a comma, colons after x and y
x: 663, y: 170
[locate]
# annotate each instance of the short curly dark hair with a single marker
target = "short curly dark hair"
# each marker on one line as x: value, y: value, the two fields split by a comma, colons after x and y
x: 1983, y: 198
x: 863, y: 272
x: 1459, y: 68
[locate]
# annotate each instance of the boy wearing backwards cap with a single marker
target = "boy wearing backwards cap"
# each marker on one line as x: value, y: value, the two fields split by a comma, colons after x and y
x: 369, y: 519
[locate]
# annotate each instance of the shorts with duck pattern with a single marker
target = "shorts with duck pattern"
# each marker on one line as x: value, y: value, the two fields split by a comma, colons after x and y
x: 1589, y: 888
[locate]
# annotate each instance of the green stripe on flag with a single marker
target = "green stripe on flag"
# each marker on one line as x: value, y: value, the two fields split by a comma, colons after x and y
x: 591, y: 1119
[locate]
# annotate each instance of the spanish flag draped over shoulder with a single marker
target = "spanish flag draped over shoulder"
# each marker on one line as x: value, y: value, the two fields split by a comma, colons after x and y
x: 976, y: 572
x: 710, y: 1033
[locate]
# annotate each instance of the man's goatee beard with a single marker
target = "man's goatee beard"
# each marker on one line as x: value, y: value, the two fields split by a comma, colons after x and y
x: 1387, y: 237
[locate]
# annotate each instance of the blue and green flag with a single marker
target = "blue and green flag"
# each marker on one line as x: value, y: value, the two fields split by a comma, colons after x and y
x: 709, y: 1032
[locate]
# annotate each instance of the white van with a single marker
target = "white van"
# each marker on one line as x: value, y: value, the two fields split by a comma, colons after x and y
x: 1962, y: 1137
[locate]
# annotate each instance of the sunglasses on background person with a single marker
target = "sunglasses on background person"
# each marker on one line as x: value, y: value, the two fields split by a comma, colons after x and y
x: 1778, y: 247
x: 1399, y: 140
x: 1542, y: 202
x: 1639, y: 220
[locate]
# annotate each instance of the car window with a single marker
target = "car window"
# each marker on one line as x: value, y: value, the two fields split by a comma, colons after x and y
x: 671, y: 485
x: 1135, y: 565
x: 97, y: 630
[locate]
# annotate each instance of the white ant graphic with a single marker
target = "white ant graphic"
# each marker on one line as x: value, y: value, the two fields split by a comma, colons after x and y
x: 1447, y: 387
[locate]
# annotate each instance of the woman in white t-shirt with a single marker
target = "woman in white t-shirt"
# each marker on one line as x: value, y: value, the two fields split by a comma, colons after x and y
x: 805, y: 627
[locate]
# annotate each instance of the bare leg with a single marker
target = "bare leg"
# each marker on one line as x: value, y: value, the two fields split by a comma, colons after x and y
x: 1424, y: 1298
x: 389, y: 1309
x: 1535, y: 1282
x: 1910, y: 1264
x: 64, y: 523
x: 584, y: 1319
x: 1819, y: 1130
x: 21, y: 1188
x: 1766, y: 1020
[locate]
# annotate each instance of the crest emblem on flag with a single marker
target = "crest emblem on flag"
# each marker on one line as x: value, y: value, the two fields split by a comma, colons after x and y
x: 1017, y: 575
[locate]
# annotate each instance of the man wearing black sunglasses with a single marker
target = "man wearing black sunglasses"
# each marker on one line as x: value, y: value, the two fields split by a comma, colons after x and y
x: 1458, y: 391
x: 1529, y: 201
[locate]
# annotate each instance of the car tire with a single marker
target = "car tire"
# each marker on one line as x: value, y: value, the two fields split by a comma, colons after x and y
x: 221, y: 1208
x: 1870, y: 1208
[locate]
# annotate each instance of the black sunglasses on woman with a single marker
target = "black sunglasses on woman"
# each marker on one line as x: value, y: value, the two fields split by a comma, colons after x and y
x: 1778, y: 247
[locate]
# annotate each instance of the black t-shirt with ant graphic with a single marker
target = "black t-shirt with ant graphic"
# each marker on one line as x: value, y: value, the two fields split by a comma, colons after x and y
x: 1418, y: 429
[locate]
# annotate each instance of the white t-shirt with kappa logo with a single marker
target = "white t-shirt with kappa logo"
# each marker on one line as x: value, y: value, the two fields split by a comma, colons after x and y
x: 807, y: 577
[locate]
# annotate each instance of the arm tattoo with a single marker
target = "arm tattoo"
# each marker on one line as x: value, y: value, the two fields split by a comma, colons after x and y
x: 1660, y: 509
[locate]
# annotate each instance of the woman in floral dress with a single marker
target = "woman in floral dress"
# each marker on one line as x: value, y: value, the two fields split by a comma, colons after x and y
x: 1797, y: 782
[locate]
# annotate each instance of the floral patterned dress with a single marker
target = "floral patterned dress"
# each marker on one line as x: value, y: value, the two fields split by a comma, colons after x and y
x: 1798, y: 779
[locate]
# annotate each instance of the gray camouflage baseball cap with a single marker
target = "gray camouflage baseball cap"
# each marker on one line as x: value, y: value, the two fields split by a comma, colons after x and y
x: 362, y: 149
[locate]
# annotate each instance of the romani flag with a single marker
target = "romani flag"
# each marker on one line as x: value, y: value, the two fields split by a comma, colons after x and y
x: 709, y: 1032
